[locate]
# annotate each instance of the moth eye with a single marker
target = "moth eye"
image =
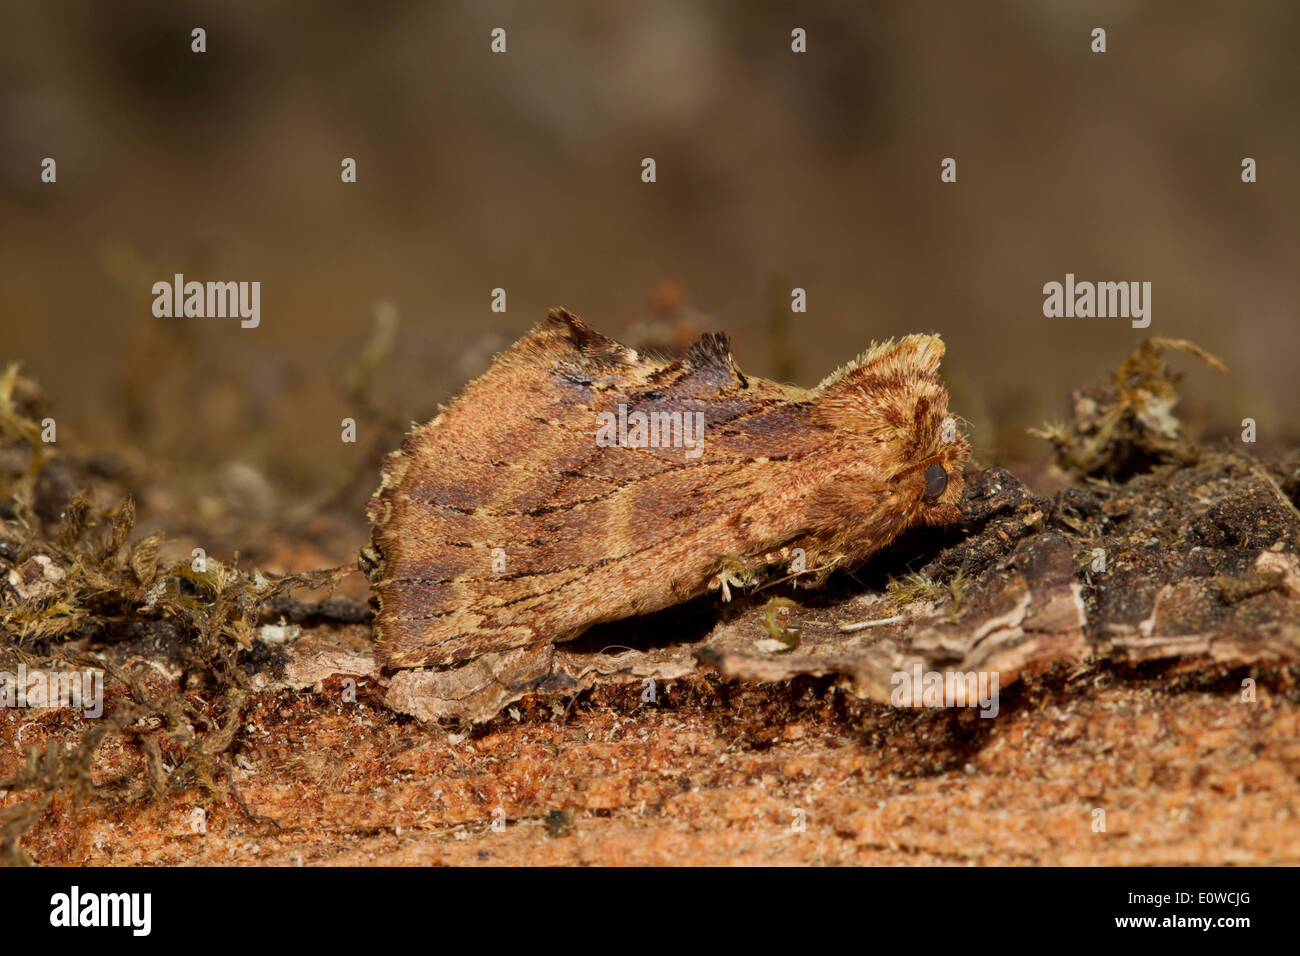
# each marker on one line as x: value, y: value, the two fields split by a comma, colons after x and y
x: 936, y: 480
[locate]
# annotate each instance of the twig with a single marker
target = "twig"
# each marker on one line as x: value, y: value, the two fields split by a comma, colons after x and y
x: 880, y: 622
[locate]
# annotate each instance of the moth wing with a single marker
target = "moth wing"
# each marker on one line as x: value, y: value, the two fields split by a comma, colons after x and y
x: 504, y: 523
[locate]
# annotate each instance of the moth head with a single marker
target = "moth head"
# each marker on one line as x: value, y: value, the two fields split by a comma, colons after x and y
x: 892, y: 406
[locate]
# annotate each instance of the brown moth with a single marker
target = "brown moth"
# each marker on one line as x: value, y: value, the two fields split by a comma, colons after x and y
x: 577, y: 482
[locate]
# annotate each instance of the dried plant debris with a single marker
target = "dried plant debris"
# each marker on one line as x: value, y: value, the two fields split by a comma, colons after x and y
x: 780, y: 636
x: 81, y: 594
x: 1127, y: 427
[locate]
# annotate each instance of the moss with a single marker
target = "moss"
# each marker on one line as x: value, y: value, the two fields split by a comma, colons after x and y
x: 913, y: 587
x: 1127, y: 427
x: 84, y: 582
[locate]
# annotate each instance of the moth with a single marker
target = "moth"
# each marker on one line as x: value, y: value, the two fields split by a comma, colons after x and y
x: 577, y: 482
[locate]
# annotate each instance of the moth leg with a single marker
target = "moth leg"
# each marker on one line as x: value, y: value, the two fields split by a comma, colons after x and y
x: 745, y: 571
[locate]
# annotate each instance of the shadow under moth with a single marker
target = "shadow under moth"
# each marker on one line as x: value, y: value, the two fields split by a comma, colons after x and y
x: 577, y: 482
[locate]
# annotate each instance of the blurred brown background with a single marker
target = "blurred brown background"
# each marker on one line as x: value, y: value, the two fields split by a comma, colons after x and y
x: 522, y: 171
